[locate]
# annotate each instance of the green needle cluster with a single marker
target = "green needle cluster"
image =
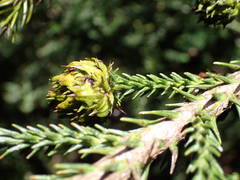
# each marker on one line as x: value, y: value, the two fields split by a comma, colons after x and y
x: 217, y: 12
x: 14, y: 14
x: 57, y: 138
x: 150, y: 84
x: 204, y: 144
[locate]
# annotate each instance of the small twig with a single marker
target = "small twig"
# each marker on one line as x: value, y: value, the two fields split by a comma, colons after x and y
x: 159, y: 137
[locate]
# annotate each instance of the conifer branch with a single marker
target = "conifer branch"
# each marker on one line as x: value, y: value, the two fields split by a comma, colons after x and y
x: 206, y: 146
x: 217, y: 12
x: 164, y: 135
x: 14, y: 14
x: 128, y: 154
x: 139, y: 85
x: 86, y: 140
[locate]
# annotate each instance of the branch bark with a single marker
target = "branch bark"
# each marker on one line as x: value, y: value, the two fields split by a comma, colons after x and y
x: 159, y: 137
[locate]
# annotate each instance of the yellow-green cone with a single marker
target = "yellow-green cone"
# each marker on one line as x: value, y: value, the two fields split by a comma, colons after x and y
x: 83, y: 89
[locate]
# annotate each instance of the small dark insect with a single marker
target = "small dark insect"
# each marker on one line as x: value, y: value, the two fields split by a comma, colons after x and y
x: 90, y: 80
x: 204, y: 75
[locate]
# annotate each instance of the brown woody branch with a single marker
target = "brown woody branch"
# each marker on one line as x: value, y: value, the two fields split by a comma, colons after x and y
x: 159, y: 137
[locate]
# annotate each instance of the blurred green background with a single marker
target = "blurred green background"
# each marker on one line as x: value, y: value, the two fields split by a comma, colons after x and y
x: 138, y: 36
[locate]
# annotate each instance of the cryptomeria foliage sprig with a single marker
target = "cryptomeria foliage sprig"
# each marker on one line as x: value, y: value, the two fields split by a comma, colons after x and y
x: 217, y: 12
x: 14, y: 14
x: 142, y: 144
x: 205, y: 145
x: 150, y: 84
x: 57, y: 138
x: 139, y: 85
x: 129, y: 153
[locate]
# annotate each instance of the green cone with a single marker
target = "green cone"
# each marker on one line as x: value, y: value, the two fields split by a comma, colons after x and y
x: 83, y: 89
x: 217, y: 12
